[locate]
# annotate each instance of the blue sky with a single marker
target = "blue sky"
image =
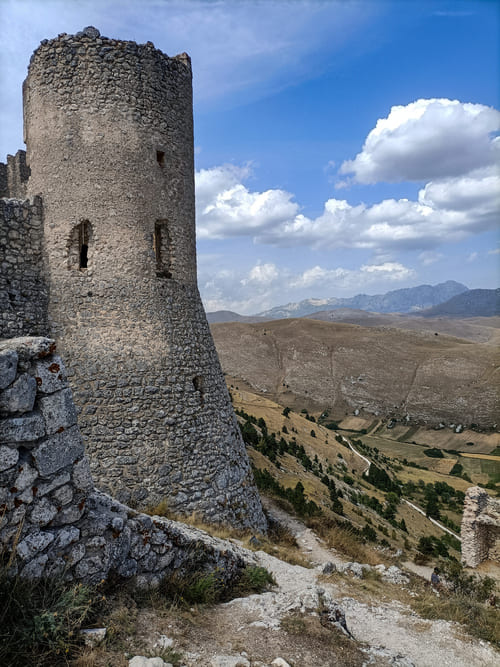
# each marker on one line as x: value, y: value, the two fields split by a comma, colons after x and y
x: 341, y: 146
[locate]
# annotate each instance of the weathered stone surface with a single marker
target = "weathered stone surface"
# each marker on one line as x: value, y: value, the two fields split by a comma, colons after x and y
x: 58, y: 451
x: 142, y: 661
x: 58, y: 410
x: 63, y: 524
x: 50, y: 377
x: 33, y: 544
x: 26, y: 477
x: 82, y: 477
x: 480, y: 528
x: 8, y: 367
x: 27, y: 428
x: 8, y: 457
x: 43, y: 512
x: 20, y: 396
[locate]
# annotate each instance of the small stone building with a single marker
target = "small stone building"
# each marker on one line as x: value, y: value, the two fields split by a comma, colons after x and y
x: 102, y: 258
x: 480, y: 527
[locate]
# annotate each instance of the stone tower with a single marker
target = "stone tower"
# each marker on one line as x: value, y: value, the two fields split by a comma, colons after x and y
x: 109, y: 135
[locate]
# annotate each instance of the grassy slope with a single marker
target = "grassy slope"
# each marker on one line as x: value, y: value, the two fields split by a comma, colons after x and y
x: 327, y: 449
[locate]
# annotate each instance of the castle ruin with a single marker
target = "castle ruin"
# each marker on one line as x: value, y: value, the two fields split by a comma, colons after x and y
x: 480, y: 527
x: 98, y: 233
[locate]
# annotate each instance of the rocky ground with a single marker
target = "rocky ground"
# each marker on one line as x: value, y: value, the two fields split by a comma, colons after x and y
x: 282, y: 627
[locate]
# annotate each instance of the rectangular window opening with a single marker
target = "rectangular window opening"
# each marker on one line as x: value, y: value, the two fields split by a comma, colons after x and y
x: 162, y: 248
x: 160, y: 158
x: 198, y: 386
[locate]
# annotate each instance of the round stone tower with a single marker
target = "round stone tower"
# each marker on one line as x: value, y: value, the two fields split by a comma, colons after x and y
x: 109, y: 134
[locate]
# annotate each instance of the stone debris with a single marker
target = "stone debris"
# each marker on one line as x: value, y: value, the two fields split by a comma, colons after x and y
x: 142, y: 661
x: 93, y: 636
x: 229, y: 661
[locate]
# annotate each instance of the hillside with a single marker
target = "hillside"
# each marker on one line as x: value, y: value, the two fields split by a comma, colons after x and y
x: 477, y: 329
x: 474, y: 303
x: 405, y: 300
x: 230, y: 316
x: 342, y: 367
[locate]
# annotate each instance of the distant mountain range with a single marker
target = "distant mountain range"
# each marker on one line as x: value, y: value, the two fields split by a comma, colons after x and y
x: 472, y: 303
x: 408, y: 300
x: 449, y: 299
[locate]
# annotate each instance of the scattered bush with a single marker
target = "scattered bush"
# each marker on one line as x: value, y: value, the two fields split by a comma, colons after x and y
x: 434, y: 453
x: 40, y: 620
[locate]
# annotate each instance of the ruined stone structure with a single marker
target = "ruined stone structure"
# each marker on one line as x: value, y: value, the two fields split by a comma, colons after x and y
x: 52, y: 519
x: 480, y: 527
x: 109, y: 135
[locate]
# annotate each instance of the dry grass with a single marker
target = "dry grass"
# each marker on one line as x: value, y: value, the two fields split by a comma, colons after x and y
x: 480, y: 620
x: 330, y: 644
x: 344, y: 540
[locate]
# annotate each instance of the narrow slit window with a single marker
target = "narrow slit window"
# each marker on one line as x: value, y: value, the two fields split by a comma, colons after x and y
x: 79, y: 245
x: 198, y: 386
x: 83, y: 244
x: 163, y: 249
x: 160, y: 158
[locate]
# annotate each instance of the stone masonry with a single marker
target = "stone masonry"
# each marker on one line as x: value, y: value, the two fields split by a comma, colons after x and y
x: 480, y: 527
x: 23, y: 291
x: 52, y: 519
x: 109, y: 133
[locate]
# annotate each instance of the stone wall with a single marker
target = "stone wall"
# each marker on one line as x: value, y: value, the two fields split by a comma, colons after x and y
x: 480, y: 527
x: 23, y: 292
x: 52, y: 519
x: 14, y: 175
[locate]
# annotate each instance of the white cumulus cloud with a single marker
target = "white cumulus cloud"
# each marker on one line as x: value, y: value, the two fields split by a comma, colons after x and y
x: 445, y: 210
x: 225, y: 207
x: 427, y: 139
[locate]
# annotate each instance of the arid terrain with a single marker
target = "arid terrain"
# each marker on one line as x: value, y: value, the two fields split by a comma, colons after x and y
x: 421, y: 375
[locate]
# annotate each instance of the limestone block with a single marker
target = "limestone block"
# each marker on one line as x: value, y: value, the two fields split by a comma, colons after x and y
x: 8, y: 457
x: 58, y: 451
x: 34, y: 569
x: 142, y: 661
x: 26, y: 477
x: 24, y: 429
x: 58, y: 481
x: 58, y: 410
x: 43, y: 513
x: 67, y: 536
x: 20, y: 396
x: 34, y: 544
x: 8, y: 367
x: 82, y: 477
x: 63, y: 495
x: 50, y: 375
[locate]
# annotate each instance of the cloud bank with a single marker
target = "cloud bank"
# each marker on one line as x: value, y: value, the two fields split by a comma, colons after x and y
x: 454, y: 146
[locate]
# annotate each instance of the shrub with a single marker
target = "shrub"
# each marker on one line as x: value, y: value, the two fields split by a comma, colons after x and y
x: 40, y: 620
x: 434, y: 453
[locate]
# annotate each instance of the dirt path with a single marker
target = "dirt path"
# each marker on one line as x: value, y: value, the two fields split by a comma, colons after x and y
x: 386, y: 633
x: 283, y: 623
